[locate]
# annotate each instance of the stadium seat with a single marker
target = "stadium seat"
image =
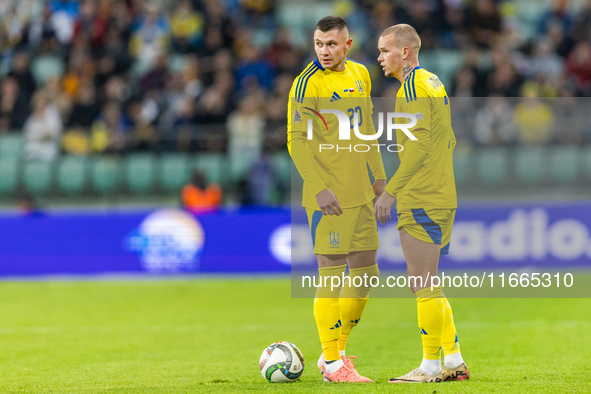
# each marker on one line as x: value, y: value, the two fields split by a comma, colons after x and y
x: 8, y: 174
x: 175, y: 171
x: 72, y: 174
x: 239, y: 167
x: 491, y: 164
x: 282, y: 165
x: 565, y: 162
x: 462, y: 166
x: 530, y: 164
x: 212, y: 165
x: 11, y: 145
x: 140, y: 171
x: 45, y: 67
x: 448, y: 61
x: 587, y: 161
x: 37, y: 177
x: 106, y: 174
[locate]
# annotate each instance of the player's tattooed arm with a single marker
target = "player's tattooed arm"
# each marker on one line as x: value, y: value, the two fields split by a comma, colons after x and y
x: 406, y: 70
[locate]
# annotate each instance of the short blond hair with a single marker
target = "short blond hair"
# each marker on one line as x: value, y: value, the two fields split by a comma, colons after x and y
x: 404, y: 36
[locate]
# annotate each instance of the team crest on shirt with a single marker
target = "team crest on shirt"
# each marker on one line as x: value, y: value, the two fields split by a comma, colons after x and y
x: 298, y: 117
x: 334, y: 238
x: 359, y: 85
x: 434, y: 80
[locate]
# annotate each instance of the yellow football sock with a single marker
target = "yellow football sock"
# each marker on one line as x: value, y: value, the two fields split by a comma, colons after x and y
x: 354, y: 298
x: 327, y: 311
x: 450, y: 337
x: 431, y: 315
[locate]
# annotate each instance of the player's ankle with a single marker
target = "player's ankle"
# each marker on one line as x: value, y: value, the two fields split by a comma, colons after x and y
x: 333, y: 366
x: 453, y: 361
x: 431, y: 368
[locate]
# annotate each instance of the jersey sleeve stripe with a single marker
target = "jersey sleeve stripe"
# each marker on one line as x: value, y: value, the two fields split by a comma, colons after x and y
x: 414, y: 92
x: 301, y: 78
x: 306, y: 84
x: 406, y: 91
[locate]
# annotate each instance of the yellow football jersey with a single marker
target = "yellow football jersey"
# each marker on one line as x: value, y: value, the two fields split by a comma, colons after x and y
x: 327, y: 160
x: 425, y: 178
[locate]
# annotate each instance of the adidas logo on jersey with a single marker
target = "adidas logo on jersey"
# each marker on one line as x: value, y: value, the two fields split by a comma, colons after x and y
x: 335, y: 97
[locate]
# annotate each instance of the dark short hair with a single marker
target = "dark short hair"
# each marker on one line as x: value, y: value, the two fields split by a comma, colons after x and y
x: 331, y: 22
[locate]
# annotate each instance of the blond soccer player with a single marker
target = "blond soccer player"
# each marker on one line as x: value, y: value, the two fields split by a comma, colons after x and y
x: 338, y: 194
x: 424, y: 188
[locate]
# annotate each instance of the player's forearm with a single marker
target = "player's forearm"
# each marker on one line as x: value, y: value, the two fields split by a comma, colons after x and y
x: 302, y: 159
x: 415, y: 155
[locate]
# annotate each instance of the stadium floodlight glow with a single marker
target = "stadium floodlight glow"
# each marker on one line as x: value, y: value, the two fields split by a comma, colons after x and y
x: 345, y: 125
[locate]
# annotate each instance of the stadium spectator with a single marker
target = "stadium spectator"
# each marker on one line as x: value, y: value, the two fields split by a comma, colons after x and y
x: 183, y: 136
x: 151, y: 37
x: 57, y: 97
x: 282, y: 55
x: 570, y: 115
x: 142, y: 135
x: 578, y: 66
x: 215, y: 104
x: 533, y: 118
x: 108, y: 132
x: 464, y: 82
x: 245, y: 131
x: 156, y: 77
x: 199, y: 197
x: 191, y: 78
x: 582, y: 24
x: 251, y: 69
x: 186, y: 26
x: 493, y: 124
x: 93, y: 22
x: 484, y: 23
x: 86, y: 108
x: 546, y: 65
x: 14, y: 105
x: 557, y: 15
x: 22, y: 73
x: 42, y: 130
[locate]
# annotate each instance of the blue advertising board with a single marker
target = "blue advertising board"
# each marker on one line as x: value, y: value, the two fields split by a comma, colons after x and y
x: 265, y: 240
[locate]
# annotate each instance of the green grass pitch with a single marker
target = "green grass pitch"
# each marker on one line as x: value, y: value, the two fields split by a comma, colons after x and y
x: 206, y: 335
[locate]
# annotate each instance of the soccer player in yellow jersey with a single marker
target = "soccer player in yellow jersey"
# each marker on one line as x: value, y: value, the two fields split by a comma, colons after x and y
x: 424, y: 187
x: 338, y: 194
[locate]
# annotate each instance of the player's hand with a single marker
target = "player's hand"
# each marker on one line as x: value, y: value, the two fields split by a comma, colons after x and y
x: 381, y: 210
x: 328, y: 203
x: 378, y: 187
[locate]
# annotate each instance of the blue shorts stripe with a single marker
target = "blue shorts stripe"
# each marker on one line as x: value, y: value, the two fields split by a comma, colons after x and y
x: 428, y: 225
x: 445, y: 249
x: 306, y: 84
x: 301, y: 80
x: 316, y: 216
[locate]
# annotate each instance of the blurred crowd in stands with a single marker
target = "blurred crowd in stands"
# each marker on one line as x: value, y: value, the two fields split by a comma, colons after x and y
x: 189, y: 75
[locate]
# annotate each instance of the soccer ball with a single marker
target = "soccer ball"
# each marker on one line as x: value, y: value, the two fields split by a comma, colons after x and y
x: 281, y: 362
